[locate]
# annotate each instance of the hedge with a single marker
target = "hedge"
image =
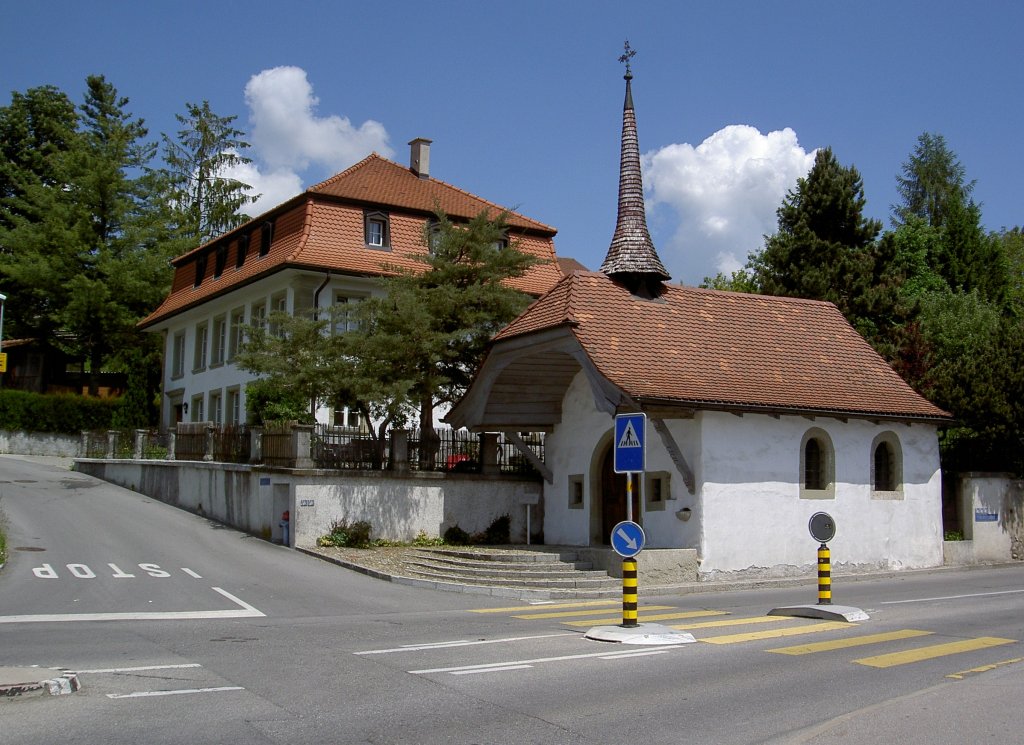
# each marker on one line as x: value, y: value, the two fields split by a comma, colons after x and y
x: 64, y: 413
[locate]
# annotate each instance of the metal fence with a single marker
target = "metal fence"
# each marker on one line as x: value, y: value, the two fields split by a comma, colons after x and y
x: 333, y: 448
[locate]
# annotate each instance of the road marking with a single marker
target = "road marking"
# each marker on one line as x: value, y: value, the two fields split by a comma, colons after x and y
x: 952, y: 597
x: 568, y: 613
x: 984, y: 668
x: 776, y: 633
x: 138, y: 669
x: 536, y: 661
x: 649, y: 617
x: 936, y: 650
x: 459, y: 643
x: 857, y: 641
x: 547, y: 604
x: 190, y: 573
x: 504, y: 669
x: 247, y: 611
x: 730, y: 622
x: 144, y: 694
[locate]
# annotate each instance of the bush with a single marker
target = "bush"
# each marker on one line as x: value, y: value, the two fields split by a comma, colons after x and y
x: 423, y: 540
x: 456, y: 536
x: 497, y: 533
x: 64, y: 412
x: 345, y: 534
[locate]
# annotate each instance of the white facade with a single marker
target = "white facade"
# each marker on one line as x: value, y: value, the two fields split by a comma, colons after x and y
x: 201, y: 381
x: 750, y: 507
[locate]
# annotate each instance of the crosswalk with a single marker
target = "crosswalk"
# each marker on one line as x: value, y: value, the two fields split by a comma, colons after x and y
x: 720, y: 628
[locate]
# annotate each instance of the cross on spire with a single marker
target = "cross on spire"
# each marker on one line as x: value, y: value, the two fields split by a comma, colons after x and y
x: 626, y: 56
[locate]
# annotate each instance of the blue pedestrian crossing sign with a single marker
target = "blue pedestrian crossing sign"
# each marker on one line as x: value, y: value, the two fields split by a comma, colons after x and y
x: 629, y: 442
x: 628, y: 539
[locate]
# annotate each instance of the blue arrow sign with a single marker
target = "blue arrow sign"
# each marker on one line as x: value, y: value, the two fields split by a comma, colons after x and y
x: 630, y: 430
x: 628, y: 539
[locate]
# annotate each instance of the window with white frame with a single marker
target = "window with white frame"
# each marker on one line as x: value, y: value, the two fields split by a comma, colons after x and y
x: 178, y: 355
x: 220, y: 338
x: 237, y: 332
x: 344, y: 315
x: 348, y: 416
x: 233, y: 410
x: 198, y: 410
x: 278, y: 304
x: 377, y: 229
x: 216, y: 414
x: 202, y: 345
x: 258, y: 315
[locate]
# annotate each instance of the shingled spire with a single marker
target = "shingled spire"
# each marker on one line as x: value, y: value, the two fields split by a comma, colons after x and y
x: 631, y: 257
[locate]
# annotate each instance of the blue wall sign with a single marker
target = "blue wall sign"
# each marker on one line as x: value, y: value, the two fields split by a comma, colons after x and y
x: 630, y: 431
x: 628, y: 539
x: 983, y: 515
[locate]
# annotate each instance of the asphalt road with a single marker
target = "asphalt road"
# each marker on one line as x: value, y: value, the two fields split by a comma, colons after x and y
x: 183, y: 631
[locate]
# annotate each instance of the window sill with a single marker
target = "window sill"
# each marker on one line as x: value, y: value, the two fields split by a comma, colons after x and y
x: 894, y: 496
x: 817, y: 493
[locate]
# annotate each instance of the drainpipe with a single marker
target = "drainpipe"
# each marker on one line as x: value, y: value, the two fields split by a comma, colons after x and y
x: 316, y: 296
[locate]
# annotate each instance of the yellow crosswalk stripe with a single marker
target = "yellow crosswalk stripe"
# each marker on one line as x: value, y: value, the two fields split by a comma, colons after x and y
x: 567, y: 613
x: 857, y: 641
x: 644, y: 617
x: 936, y: 650
x: 776, y: 633
x: 516, y: 608
x: 731, y: 622
x: 984, y: 668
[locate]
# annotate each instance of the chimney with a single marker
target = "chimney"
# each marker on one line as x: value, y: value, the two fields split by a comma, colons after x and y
x: 419, y: 157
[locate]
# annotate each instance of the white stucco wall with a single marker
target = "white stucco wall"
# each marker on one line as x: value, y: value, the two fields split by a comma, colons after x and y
x: 751, y: 478
x: 748, y: 513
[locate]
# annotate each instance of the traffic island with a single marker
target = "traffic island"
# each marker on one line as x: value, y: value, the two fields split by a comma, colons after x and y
x: 642, y: 633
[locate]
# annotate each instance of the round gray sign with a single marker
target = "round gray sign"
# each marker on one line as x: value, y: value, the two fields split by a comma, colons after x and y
x: 822, y: 527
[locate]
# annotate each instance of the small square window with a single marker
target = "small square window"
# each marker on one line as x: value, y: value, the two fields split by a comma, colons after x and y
x: 200, y: 268
x: 266, y: 237
x: 220, y: 258
x: 377, y: 230
x: 576, y: 495
x: 242, y: 249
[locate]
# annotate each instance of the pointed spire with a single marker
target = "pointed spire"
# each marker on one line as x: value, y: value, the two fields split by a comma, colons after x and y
x: 632, y: 256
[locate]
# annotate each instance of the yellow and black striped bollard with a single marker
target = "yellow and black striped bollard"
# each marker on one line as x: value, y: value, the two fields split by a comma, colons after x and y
x: 629, y: 590
x: 824, y: 575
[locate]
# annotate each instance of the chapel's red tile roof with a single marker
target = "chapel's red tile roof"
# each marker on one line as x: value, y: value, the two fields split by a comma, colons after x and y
x: 708, y: 348
x: 322, y: 229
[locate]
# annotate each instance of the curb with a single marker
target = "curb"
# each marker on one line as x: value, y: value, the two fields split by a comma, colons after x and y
x: 687, y: 588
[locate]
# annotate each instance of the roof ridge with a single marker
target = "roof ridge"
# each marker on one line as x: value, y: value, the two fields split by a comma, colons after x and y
x: 355, y: 166
x: 492, y: 204
x: 753, y: 295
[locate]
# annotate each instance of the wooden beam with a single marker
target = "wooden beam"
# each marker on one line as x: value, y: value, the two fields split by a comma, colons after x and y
x: 527, y: 452
x: 675, y: 453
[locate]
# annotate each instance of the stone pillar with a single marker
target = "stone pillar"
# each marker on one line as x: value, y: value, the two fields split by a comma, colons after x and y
x: 400, y: 450
x: 83, y: 445
x: 111, y: 443
x: 489, y: 453
x: 302, y: 446
x: 172, y: 443
x: 140, y: 441
x: 208, y: 454
x: 255, y: 445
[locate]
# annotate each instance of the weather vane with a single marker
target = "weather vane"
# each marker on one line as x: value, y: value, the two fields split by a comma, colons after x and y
x: 627, y: 55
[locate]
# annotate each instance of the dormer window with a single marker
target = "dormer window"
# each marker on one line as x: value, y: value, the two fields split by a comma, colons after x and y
x: 377, y: 230
x: 220, y: 258
x: 200, y: 268
x: 243, y: 249
x: 433, y: 236
x: 266, y: 236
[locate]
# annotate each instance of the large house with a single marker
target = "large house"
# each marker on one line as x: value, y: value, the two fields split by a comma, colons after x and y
x: 760, y: 412
x: 325, y: 247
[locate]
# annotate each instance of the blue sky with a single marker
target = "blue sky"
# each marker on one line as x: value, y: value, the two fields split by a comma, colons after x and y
x: 523, y: 100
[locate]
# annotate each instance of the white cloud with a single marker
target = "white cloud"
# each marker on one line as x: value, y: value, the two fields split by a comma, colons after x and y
x: 288, y: 137
x: 724, y: 194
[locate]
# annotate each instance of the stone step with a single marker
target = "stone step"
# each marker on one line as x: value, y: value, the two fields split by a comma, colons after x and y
x: 523, y: 557
x: 575, y: 582
x: 498, y: 571
x: 546, y: 566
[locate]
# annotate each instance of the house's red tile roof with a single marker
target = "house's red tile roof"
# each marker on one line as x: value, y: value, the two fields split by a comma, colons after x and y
x: 710, y: 349
x: 322, y: 229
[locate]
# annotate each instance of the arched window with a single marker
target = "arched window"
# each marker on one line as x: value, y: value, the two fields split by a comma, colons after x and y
x: 886, y: 467
x: 817, y: 465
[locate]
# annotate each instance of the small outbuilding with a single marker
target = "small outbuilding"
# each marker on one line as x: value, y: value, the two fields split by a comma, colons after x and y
x: 761, y: 411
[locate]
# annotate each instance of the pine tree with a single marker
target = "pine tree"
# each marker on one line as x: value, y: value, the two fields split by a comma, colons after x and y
x: 204, y: 199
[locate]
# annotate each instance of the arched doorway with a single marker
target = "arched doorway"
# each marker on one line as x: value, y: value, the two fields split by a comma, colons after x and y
x: 613, y: 496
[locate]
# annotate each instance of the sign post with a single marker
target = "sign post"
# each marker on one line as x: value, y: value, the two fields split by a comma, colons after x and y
x: 628, y: 537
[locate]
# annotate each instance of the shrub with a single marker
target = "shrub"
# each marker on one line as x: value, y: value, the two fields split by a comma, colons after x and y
x: 497, y: 533
x: 346, y: 534
x: 63, y: 412
x: 422, y: 539
x: 456, y: 536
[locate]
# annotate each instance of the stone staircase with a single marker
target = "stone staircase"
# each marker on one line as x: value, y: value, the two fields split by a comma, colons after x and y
x: 552, y: 572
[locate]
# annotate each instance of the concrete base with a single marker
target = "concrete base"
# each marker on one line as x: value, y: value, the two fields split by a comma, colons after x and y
x: 826, y: 612
x: 28, y: 681
x: 643, y: 633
